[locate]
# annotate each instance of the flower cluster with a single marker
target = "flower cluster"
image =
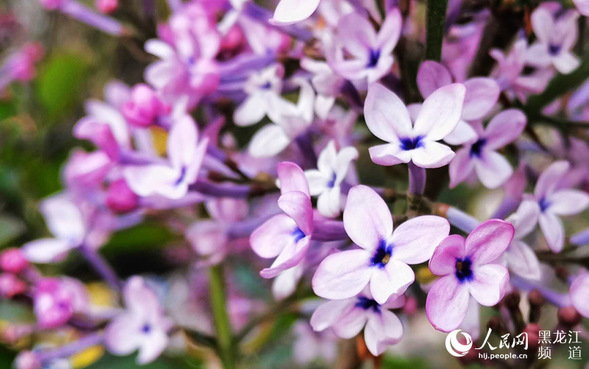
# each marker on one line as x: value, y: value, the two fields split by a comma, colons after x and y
x: 314, y: 148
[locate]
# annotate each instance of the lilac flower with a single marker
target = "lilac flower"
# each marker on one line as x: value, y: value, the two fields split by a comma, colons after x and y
x: 293, y: 121
x: 480, y: 97
x: 263, y: 89
x: 20, y: 65
x: 310, y: 345
x: 382, y: 260
x: 468, y: 268
x: 57, y: 299
x: 185, y: 156
x: 480, y: 154
x: 371, y: 52
x: 556, y: 38
x: 66, y: 222
x: 326, y: 180
x: 388, y: 119
x: 509, y: 72
x: 326, y: 82
x: 519, y: 257
x: 552, y: 200
x: 347, y: 317
x: 293, y: 11
x: 142, y: 326
x: 286, y: 236
x: 580, y: 293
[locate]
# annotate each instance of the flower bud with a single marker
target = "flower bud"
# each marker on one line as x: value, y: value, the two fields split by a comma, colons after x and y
x: 10, y: 285
x: 569, y: 316
x: 13, y: 261
x: 107, y: 6
x: 120, y: 198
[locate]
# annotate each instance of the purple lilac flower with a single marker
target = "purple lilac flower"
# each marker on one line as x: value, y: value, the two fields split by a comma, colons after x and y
x: 468, y: 268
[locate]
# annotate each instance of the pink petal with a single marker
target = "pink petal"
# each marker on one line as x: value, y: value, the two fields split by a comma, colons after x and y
x: 390, y: 31
x: 487, y: 242
x: 358, y: 34
x: 367, y: 218
x: 329, y: 313
x: 580, y: 294
x: 481, y: 95
x: 568, y: 202
x: 461, y: 134
x: 351, y: 323
x: 460, y: 167
x: 525, y: 218
x: 492, y: 169
x: 537, y: 55
x: 505, y: 128
x: 381, y: 331
x: 182, y: 141
x: 583, y: 7
x: 566, y: 62
x: 542, y: 24
x: 489, y: 284
x: 389, y: 154
x: 431, y: 76
x: 269, y: 239
x: 550, y: 178
x: 289, y: 257
x: 386, y: 115
x: 440, y: 112
x: 292, y: 178
x: 152, y: 346
x: 342, y: 275
x: 293, y: 11
x: 415, y: 240
x: 443, y: 261
x: 121, y: 335
x: 553, y: 230
x: 393, y: 279
x: 446, y: 303
x: 298, y: 206
x: 432, y: 155
x: 522, y: 260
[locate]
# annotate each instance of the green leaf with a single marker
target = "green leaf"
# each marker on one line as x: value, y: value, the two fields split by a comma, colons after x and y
x: 10, y: 228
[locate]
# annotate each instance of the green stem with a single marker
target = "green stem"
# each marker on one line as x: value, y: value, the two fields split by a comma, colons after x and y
x: 222, y: 325
x: 436, y: 24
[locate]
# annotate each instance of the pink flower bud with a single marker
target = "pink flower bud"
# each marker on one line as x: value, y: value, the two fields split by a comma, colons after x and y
x: 52, y: 4
x: 144, y: 107
x: 107, y: 6
x: 10, y: 285
x: 120, y: 198
x: 13, y: 261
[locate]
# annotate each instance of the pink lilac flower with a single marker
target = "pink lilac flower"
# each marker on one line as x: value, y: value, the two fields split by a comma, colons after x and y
x: 286, y: 237
x: 468, y: 268
x: 346, y: 318
x: 263, y: 90
x: 519, y: 257
x: 480, y: 97
x: 57, y: 299
x: 509, y: 72
x: 388, y: 119
x: 580, y: 293
x: 381, y: 262
x: 185, y: 156
x: 552, y: 201
x: 371, y: 52
x: 582, y: 7
x: 325, y: 181
x: 555, y: 39
x: 142, y: 326
x: 20, y: 65
x: 293, y: 11
x: 480, y: 154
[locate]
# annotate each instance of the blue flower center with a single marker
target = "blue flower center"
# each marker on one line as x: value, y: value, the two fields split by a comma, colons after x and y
x: 382, y: 255
x: 367, y: 304
x: 554, y: 49
x: 411, y: 143
x: 464, y: 269
x: 544, y: 204
x: 181, y: 176
x: 331, y: 182
x: 373, y: 57
x: 266, y: 86
x: 146, y: 328
x: 298, y: 234
x: 477, y: 148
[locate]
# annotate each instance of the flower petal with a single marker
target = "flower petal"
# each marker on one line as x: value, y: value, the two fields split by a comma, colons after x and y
x: 328, y: 203
x: 440, y: 112
x: 446, y: 303
x: 298, y: 206
x: 289, y: 257
x: 386, y: 115
x: 487, y: 242
x: 443, y: 261
x: 389, y: 154
x: 489, y: 284
x: 480, y: 97
x: 542, y: 24
x: 432, y: 155
x: 358, y: 34
x: 367, y: 218
x: 270, y: 140
x: 580, y: 294
x: 522, y: 260
x: 393, y: 279
x: 505, y: 128
x: 293, y: 11
x: 342, y: 275
x: 492, y: 169
x: 568, y: 202
x: 381, y: 331
x: 566, y: 62
x: 550, y: 178
x: 46, y: 250
x: 553, y: 230
x: 415, y: 240
x: 329, y: 313
x: 460, y: 167
x: 292, y: 178
x: 269, y: 239
x: 390, y: 31
x: 431, y: 76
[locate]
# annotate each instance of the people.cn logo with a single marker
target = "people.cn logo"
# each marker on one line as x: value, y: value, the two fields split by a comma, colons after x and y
x: 456, y: 348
